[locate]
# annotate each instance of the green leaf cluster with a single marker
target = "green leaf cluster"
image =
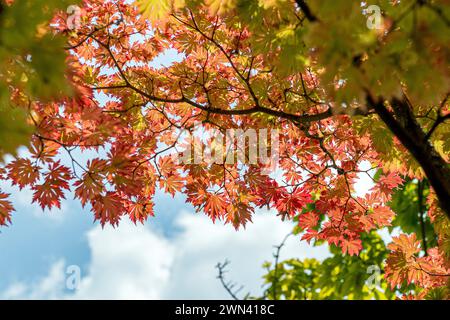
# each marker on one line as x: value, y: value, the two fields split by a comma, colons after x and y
x: 337, y: 277
x: 32, y: 62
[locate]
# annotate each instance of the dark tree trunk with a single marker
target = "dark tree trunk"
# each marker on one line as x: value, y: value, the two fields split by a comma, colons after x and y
x: 406, y: 128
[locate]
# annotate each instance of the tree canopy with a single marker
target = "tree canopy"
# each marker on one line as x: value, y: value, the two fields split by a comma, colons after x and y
x: 349, y: 93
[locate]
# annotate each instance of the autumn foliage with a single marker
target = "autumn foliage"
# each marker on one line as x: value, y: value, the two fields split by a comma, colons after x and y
x: 120, y: 126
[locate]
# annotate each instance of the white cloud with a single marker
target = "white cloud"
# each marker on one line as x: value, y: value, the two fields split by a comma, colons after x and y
x: 130, y: 262
x: 49, y: 287
x: 364, y: 181
x: 136, y: 262
x: 202, y: 245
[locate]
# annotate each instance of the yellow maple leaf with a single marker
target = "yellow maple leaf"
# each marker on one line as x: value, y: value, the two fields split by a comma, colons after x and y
x: 159, y: 10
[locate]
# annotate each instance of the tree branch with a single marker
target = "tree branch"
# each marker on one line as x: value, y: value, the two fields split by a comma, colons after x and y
x: 420, y: 190
x: 306, y: 11
x: 411, y: 135
x: 438, y: 121
x: 227, y: 285
x: 277, y: 258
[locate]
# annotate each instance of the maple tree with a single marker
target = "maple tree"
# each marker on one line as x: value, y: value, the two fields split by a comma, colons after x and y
x: 347, y: 100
